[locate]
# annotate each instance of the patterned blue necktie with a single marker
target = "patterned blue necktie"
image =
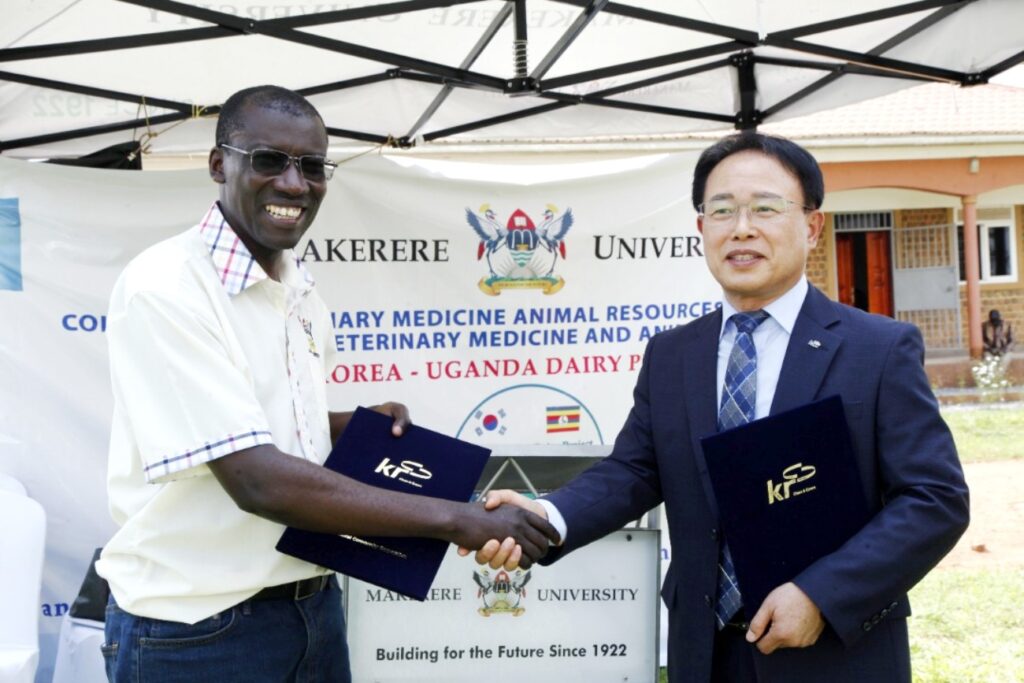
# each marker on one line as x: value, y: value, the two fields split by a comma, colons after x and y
x: 738, y: 402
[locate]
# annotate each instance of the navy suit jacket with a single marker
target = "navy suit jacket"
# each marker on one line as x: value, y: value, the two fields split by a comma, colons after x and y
x: 907, y: 461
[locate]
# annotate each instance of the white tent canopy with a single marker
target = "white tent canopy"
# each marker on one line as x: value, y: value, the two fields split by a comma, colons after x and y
x: 79, y: 75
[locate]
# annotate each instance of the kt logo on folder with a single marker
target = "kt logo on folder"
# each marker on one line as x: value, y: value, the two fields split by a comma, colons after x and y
x: 788, y: 492
x: 420, y: 462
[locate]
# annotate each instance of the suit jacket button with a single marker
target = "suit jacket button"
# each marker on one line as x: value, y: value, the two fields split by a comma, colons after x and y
x: 714, y: 534
x: 866, y: 626
x: 892, y: 606
x: 707, y: 600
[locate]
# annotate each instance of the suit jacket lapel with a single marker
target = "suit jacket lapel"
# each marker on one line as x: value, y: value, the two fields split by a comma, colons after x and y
x: 701, y: 372
x: 809, y: 354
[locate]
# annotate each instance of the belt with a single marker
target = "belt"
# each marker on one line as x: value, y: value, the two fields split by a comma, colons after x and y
x: 296, y: 590
x: 741, y: 625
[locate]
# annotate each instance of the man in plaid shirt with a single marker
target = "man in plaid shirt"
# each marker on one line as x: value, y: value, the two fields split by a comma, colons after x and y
x: 219, y: 346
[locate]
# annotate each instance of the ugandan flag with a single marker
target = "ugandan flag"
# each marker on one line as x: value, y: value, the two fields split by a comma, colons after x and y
x: 563, y: 419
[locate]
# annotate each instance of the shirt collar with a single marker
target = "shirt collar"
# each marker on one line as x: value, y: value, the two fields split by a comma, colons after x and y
x: 783, y: 310
x: 235, y: 265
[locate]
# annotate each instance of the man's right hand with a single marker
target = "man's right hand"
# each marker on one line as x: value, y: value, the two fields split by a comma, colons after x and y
x: 526, y: 533
x: 508, y: 553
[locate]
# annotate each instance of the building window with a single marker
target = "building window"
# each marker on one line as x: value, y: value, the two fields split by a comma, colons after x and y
x: 997, y: 252
x: 862, y: 221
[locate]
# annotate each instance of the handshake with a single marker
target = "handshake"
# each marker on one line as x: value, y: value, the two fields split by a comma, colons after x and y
x: 508, y: 530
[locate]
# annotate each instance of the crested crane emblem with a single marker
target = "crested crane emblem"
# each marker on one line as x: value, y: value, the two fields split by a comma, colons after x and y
x: 501, y: 591
x: 520, y: 254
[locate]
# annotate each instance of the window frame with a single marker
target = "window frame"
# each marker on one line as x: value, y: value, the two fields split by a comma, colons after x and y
x: 985, y: 254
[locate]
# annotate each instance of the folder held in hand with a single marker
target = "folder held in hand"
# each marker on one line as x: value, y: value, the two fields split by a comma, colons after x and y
x: 788, y: 492
x: 420, y: 462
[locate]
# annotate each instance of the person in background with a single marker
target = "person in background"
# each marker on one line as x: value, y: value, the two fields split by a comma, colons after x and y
x: 997, y: 334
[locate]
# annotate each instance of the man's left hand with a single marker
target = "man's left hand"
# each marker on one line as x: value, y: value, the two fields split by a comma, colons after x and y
x: 790, y: 618
x: 397, y: 411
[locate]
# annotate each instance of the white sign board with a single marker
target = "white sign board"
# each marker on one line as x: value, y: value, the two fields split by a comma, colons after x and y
x: 591, y: 616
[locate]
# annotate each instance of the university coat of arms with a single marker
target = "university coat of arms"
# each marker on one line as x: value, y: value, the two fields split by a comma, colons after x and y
x: 501, y: 591
x: 520, y: 254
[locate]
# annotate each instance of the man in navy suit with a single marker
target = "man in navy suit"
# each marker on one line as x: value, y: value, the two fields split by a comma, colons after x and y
x: 758, y: 200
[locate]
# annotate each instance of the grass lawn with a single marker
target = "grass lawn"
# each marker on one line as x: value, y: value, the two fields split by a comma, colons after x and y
x: 968, y: 626
x: 987, y: 433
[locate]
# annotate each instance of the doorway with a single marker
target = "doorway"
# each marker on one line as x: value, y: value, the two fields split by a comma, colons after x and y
x: 864, y: 269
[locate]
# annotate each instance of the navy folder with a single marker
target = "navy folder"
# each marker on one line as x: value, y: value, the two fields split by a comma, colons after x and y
x: 788, y: 491
x: 420, y: 462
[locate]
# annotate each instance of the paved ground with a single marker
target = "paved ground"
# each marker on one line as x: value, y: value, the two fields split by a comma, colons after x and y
x: 996, y: 535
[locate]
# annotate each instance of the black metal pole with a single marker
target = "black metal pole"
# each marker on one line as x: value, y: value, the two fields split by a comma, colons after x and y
x: 520, y: 83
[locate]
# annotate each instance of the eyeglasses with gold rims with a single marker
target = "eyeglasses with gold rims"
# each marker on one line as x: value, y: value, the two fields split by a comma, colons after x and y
x: 727, y: 211
x: 314, y: 168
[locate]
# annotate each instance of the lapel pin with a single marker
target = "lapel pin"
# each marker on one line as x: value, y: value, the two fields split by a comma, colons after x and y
x: 814, y: 344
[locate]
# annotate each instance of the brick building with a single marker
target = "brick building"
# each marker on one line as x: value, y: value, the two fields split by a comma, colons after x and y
x: 904, y: 175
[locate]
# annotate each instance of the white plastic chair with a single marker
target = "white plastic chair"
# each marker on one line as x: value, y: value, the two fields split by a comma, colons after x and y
x: 22, y: 538
x: 9, y: 483
x: 79, y: 659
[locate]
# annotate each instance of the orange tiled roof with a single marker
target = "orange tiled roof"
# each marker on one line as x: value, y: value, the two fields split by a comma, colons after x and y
x: 931, y: 109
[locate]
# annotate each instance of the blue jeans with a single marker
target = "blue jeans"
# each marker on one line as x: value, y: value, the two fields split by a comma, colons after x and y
x: 277, y: 641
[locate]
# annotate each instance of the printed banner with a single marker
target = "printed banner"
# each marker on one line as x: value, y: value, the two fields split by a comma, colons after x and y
x: 507, y: 312
x: 503, y: 303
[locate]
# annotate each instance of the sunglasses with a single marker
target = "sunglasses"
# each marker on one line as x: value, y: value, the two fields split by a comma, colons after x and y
x: 313, y: 168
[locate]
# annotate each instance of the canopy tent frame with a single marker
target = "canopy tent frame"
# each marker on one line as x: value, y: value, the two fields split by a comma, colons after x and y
x: 737, y: 52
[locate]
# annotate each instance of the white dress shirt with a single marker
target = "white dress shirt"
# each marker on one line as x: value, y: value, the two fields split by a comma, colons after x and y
x: 771, y: 338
